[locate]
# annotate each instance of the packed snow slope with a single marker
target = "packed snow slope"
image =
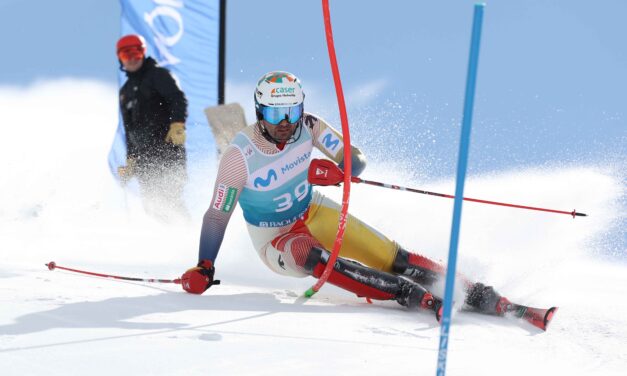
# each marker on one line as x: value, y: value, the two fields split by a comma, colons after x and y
x: 60, y: 203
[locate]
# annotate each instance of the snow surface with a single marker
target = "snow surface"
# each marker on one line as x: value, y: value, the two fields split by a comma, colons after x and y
x: 59, y: 203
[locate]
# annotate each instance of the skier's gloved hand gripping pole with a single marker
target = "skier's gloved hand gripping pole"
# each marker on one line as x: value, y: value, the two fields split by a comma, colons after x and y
x: 198, y: 279
x: 325, y: 172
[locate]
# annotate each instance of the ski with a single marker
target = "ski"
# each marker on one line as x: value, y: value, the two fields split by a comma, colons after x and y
x: 538, y: 317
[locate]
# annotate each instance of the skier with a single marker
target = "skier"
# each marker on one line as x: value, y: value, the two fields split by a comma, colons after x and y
x: 154, y: 110
x: 292, y: 227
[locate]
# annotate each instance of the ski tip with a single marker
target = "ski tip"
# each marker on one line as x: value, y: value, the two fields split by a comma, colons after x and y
x: 51, y: 265
x: 548, y: 316
x: 540, y: 318
x: 438, y: 313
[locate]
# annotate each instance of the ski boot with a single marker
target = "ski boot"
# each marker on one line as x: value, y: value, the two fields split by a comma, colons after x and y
x: 369, y: 283
x: 486, y: 300
x: 412, y: 295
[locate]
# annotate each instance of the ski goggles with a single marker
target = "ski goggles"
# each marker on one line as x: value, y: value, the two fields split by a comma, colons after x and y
x: 275, y: 115
x: 128, y: 54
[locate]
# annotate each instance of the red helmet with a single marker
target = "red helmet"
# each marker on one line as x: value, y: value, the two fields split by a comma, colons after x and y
x: 131, y: 45
x: 131, y: 40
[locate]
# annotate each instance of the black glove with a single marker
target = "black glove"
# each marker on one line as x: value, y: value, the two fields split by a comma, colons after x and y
x: 198, y: 279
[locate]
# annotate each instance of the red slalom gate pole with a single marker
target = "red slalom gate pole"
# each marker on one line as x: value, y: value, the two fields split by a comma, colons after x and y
x: 53, y: 265
x: 347, y: 153
x: 574, y: 213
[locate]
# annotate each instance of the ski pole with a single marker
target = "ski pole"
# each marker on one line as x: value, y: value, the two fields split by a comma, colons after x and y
x: 53, y: 265
x: 574, y: 213
x: 325, y: 172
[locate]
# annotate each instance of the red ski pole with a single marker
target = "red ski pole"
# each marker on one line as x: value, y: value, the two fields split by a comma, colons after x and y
x: 325, y: 172
x: 53, y: 265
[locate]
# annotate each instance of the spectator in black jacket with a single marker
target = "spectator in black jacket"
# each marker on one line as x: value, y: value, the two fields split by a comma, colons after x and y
x: 154, y: 110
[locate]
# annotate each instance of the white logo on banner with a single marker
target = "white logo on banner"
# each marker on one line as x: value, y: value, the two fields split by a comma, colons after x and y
x: 166, y: 8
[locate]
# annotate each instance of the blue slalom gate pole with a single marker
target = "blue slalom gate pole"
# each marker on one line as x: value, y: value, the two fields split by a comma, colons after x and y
x: 462, y: 163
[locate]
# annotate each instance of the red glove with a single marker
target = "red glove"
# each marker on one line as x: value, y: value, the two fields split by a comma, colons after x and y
x: 197, y: 280
x: 324, y: 172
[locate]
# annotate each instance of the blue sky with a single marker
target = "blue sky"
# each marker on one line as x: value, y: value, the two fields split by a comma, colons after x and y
x: 552, y: 83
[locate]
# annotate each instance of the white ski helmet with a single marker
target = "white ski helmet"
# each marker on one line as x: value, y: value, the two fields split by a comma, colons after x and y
x: 278, y: 97
x: 279, y: 89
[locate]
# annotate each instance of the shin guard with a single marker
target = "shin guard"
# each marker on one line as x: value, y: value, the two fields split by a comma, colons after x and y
x: 420, y: 269
x: 367, y: 282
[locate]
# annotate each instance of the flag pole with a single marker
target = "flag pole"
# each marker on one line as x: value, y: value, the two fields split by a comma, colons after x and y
x: 462, y: 163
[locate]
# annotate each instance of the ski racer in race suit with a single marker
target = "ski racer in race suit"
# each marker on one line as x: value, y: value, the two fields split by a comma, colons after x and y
x: 292, y: 227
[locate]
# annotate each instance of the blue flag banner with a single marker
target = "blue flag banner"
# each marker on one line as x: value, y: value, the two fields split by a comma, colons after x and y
x: 184, y: 37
